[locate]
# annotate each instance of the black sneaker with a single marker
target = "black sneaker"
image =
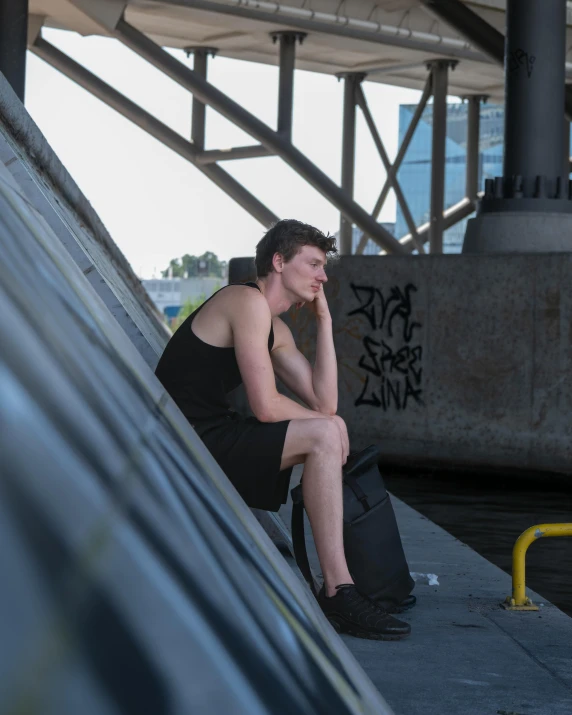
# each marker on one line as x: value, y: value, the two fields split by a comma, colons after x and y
x: 395, y: 607
x: 350, y: 612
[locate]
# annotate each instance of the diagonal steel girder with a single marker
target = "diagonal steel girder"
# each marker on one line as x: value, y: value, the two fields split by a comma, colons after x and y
x: 362, y: 103
x: 394, y: 168
x: 272, y: 140
x: 392, y: 173
x: 482, y: 35
x: 114, y: 99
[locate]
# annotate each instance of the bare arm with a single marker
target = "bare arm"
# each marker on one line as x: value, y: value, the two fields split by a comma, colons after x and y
x: 325, y: 374
x: 317, y: 386
x: 250, y: 321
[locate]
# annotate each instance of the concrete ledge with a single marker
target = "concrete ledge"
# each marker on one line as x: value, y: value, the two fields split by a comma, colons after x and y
x: 466, y: 655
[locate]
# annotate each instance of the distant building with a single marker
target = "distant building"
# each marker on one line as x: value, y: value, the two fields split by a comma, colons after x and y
x: 170, y: 294
x: 371, y: 248
x: 415, y: 172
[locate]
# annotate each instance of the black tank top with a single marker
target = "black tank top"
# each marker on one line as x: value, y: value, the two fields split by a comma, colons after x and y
x: 198, y: 376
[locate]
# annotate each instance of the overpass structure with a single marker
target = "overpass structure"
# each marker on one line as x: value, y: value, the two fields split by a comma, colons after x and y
x: 442, y: 47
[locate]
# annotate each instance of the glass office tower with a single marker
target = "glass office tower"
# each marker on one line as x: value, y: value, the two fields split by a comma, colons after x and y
x: 371, y: 248
x: 415, y: 171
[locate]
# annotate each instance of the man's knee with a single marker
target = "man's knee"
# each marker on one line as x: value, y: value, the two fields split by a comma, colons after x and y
x: 327, y: 437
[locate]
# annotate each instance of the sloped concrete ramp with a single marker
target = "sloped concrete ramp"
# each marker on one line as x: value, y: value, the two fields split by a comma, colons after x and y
x: 134, y: 578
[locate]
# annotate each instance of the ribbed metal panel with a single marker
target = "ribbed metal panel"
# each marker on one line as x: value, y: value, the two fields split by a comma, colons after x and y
x: 134, y: 579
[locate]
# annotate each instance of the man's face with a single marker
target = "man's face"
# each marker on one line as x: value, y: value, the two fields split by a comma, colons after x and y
x: 304, y: 274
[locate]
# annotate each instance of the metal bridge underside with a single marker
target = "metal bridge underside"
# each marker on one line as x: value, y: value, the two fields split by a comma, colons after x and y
x: 404, y: 42
x: 442, y: 48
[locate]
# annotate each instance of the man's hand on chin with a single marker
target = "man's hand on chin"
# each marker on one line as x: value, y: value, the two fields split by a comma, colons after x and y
x: 319, y: 306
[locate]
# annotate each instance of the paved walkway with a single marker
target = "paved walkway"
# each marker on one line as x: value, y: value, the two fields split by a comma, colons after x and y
x: 466, y: 655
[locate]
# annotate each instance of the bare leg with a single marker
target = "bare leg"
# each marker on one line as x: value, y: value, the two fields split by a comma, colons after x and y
x: 317, y: 444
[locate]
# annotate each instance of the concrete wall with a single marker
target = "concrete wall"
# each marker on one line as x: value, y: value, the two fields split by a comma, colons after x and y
x: 460, y: 359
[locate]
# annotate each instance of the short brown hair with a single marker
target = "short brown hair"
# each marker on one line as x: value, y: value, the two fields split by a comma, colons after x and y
x: 287, y: 237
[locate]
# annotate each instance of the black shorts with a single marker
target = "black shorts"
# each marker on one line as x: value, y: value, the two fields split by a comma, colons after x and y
x: 249, y: 452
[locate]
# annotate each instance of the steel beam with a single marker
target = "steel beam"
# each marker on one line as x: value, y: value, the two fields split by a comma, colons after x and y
x: 287, y: 41
x: 198, y: 112
x: 272, y: 140
x: 427, y: 91
x: 152, y: 126
x: 451, y: 216
x: 439, y: 70
x: 237, y: 152
x: 352, y: 82
x: 566, y: 142
x: 13, y: 41
x: 362, y: 103
x: 339, y: 26
x: 471, y: 25
x: 473, y: 132
x: 480, y: 34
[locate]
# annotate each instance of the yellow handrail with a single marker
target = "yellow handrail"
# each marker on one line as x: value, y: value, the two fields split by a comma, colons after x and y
x: 519, y: 600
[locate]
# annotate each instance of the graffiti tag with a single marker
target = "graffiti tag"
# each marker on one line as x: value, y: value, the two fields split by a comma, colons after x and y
x: 392, y: 360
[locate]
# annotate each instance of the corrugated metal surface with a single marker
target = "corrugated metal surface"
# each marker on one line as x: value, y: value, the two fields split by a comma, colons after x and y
x: 45, y: 183
x: 134, y: 580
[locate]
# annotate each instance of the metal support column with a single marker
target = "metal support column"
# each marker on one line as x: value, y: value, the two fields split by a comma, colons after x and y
x: 152, y: 126
x: 473, y: 131
x: 529, y: 208
x: 439, y: 71
x: 351, y: 83
x: 287, y: 40
x: 13, y: 42
x: 566, y: 170
x: 198, y: 117
x: 269, y: 138
x: 486, y: 37
x: 534, y: 93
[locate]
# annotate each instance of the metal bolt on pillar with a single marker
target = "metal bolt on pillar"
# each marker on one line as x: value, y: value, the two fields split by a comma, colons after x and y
x: 439, y: 72
x: 287, y: 40
x: 198, y: 116
x: 352, y: 81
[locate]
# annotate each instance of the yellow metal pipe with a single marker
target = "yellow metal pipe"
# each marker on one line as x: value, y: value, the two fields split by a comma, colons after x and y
x: 519, y: 555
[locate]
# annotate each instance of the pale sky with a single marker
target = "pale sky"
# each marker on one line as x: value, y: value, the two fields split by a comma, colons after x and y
x: 156, y: 205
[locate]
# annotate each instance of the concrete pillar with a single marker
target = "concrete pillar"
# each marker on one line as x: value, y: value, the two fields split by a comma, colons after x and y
x: 351, y: 82
x: 13, y: 42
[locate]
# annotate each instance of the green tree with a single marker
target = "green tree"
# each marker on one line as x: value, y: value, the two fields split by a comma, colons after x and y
x: 206, y: 265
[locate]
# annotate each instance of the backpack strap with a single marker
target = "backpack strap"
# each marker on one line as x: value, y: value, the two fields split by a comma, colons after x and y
x: 352, y: 483
x: 298, y: 539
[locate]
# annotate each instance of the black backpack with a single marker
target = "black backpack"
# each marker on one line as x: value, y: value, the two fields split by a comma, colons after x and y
x: 372, y: 543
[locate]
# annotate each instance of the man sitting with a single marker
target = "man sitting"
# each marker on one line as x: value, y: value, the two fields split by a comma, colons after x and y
x: 236, y: 336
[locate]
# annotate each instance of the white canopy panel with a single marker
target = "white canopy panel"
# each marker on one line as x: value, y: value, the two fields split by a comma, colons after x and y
x: 390, y: 40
